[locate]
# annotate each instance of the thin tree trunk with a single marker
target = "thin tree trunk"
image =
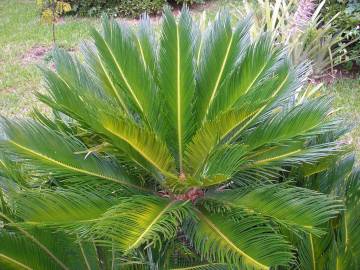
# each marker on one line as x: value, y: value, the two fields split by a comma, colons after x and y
x: 53, y: 21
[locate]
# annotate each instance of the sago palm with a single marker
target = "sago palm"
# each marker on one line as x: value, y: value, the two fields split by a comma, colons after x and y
x: 339, y: 248
x: 167, y: 153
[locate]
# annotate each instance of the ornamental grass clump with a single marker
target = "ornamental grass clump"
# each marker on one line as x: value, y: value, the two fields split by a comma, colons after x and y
x: 166, y: 153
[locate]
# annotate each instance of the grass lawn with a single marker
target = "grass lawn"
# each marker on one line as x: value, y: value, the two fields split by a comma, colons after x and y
x: 346, y: 94
x: 25, y: 42
x: 23, y: 39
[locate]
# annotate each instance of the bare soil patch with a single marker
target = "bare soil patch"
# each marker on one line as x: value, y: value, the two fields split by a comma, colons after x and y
x: 332, y: 76
x: 8, y: 90
x: 35, y: 54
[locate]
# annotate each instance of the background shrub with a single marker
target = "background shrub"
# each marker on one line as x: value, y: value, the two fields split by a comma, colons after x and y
x: 188, y: 1
x: 347, y: 22
x: 128, y: 8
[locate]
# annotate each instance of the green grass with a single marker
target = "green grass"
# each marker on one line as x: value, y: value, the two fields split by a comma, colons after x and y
x: 21, y: 30
x: 346, y: 94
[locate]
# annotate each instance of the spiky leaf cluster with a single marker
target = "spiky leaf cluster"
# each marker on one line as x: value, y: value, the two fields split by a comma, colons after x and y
x: 168, y: 153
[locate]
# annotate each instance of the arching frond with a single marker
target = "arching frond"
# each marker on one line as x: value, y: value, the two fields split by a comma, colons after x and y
x: 61, y: 207
x: 297, y: 208
x: 350, y: 229
x: 304, y: 121
x: 18, y: 252
x: 48, y: 150
x: 223, y: 163
x: 295, y: 153
x: 338, y: 249
x: 146, y: 150
x: 140, y: 220
x: 243, y: 240
x: 307, y: 253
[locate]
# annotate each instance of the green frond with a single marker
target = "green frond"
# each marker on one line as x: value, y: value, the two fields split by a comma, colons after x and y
x: 60, y: 155
x: 147, y: 45
x: 307, y: 253
x: 167, y: 153
x: 205, y: 266
x: 12, y: 171
x: 144, y: 145
x: 340, y: 179
x: 233, y: 123
x: 70, y: 70
x: 198, y: 30
x: 177, y: 80
x: 179, y: 253
x: 350, y: 230
x: 269, y: 95
x: 260, y: 60
x: 58, y: 122
x: 224, y: 162
x: 18, y: 252
x: 294, y: 153
x: 242, y: 240
x: 221, y: 50
x: 294, y: 207
x: 338, y: 249
x: 303, y: 121
x: 96, y: 67
x: 140, y: 220
x: 74, y: 101
x: 120, y: 57
x: 321, y: 165
x: 229, y: 161
x: 352, y: 191
x: 209, y: 136
x: 313, y: 252
x: 61, y: 97
x: 61, y: 207
x: 140, y: 143
x: 133, y: 266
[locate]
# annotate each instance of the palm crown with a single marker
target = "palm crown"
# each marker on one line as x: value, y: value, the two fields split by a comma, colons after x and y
x: 182, y: 142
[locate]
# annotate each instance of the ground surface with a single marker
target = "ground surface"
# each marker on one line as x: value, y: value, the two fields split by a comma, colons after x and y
x: 25, y: 43
x: 346, y: 94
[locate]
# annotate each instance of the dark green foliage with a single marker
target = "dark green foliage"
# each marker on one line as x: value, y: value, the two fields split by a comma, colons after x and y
x: 168, y: 153
x: 347, y: 21
x: 126, y: 8
x: 339, y: 247
x: 189, y: 1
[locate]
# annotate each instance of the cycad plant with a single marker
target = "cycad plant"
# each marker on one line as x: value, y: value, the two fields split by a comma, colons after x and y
x: 165, y: 155
x: 340, y: 247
